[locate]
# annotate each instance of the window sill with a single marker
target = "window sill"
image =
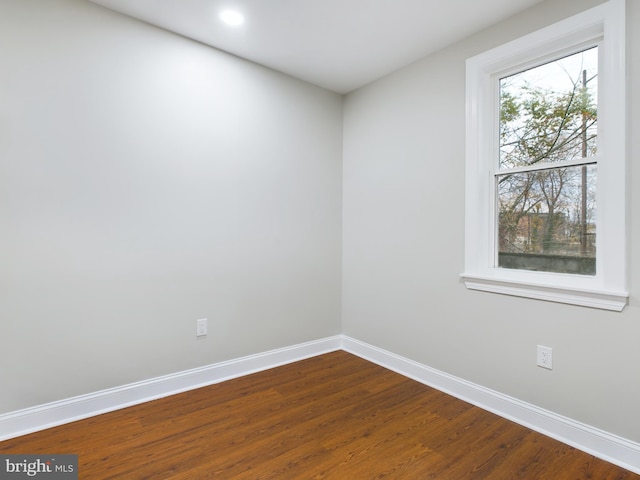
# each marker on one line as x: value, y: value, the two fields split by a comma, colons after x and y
x: 615, y: 301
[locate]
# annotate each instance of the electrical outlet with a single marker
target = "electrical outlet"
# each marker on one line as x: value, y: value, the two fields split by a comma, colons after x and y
x: 201, y: 327
x: 545, y: 357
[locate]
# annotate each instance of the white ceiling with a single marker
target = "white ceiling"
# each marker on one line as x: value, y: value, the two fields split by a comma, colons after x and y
x: 336, y: 44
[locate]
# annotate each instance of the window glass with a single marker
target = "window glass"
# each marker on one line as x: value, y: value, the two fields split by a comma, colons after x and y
x: 546, y: 214
x: 549, y: 113
x: 541, y: 225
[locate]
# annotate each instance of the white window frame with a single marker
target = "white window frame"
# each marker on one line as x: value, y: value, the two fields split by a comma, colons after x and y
x: 604, y: 26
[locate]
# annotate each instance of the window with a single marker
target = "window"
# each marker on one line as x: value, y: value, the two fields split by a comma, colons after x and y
x: 545, y: 164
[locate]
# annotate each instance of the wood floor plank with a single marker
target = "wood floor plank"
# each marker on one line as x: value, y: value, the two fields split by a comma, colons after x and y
x: 331, y: 417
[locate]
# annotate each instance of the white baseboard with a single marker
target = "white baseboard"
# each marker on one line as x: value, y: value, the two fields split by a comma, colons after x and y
x: 612, y: 448
x: 599, y: 443
x: 22, y: 422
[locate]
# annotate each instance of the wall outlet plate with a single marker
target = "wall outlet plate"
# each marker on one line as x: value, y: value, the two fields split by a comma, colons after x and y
x: 545, y: 357
x: 201, y: 327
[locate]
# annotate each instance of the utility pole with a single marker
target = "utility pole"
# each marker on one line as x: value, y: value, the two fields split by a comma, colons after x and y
x: 583, y: 210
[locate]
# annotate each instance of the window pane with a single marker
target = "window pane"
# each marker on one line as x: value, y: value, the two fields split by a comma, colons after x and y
x: 549, y: 113
x: 546, y: 220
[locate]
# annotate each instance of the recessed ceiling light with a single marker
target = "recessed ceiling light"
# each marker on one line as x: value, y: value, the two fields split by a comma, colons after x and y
x: 232, y: 17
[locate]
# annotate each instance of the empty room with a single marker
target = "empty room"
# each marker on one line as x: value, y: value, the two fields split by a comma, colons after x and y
x: 351, y: 239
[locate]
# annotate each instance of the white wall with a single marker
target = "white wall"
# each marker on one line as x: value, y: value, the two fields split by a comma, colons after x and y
x: 403, y: 247
x: 147, y: 181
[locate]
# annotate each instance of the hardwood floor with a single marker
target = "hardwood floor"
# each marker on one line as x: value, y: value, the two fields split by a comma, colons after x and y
x: 335, y: 416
